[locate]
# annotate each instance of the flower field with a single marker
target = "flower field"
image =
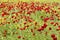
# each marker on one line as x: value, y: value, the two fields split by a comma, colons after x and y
x: 29, y: 21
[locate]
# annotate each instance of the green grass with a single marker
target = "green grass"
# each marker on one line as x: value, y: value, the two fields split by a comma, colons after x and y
x: 31, y: 0
x: 27, y: 34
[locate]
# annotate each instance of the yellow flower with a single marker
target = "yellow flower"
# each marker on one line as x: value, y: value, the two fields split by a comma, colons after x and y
x: 2, y: 20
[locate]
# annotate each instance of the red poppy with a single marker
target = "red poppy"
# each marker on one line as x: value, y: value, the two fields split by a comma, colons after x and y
x: 46, y: 19
x: 19, y: 37
x: 53, y: 35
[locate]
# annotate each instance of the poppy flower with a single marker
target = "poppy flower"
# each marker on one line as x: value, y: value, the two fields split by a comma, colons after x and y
x: 46, y: 19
